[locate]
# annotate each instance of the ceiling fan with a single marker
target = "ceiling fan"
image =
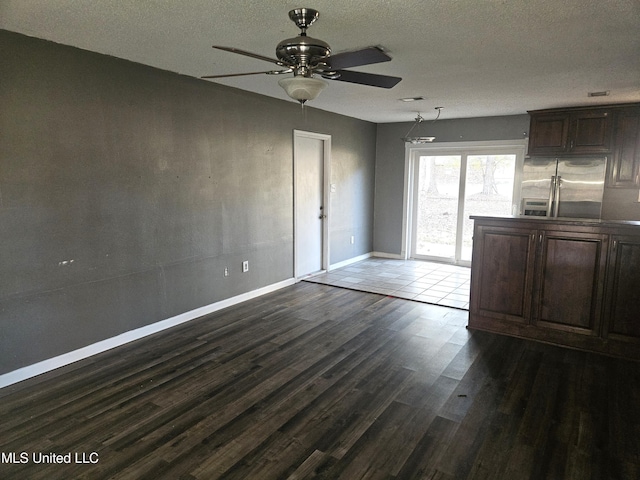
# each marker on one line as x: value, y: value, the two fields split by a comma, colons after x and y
x: 305, y: 56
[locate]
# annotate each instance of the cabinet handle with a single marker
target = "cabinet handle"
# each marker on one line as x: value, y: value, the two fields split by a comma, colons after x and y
x: 615, y: 245
x: 540, y: 239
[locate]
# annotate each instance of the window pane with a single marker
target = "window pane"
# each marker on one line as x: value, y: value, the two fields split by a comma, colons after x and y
x: 489, y: 191
x: 437, y: 214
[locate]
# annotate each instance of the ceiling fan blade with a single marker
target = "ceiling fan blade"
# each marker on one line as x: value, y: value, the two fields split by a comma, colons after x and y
x: 268, y: 72
x: 372, y: 79
x: 251, y: 54
x: 356, y: 58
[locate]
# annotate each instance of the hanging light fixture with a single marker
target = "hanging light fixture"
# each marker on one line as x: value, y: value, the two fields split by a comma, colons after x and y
x: 415, y: 140
x: 302, y: 88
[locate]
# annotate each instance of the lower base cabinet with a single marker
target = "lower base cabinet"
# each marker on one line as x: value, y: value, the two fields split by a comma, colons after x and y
x: 570, y: 281
x: 574, y: 283
x: 623, y: 287
x: 503, y: 272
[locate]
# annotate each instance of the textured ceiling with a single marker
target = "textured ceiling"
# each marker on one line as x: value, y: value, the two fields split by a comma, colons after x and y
x: 472, y: 57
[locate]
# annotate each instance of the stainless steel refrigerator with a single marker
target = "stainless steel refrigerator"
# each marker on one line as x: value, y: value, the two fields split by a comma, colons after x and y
x: 563, y: 187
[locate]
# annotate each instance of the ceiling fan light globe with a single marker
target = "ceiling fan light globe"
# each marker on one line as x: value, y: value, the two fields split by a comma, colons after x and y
x: 302, y: 88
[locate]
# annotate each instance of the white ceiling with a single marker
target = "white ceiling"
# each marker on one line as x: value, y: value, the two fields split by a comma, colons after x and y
x: 472, y: 57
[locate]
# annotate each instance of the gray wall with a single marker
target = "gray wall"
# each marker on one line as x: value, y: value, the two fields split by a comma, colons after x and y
x: 390, y: 158
x: 126, y: 190
x: 621, y: 204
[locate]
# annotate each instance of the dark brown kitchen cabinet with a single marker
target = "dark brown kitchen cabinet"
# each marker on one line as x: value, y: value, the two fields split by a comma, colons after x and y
x: 622, y: 317
x: 590, y: 132
x: 570, y: 132
x: 548, y: 134
x: 547, y: 278
x: 624, y: 167
x: 505, y: 260
x: 569, y: 282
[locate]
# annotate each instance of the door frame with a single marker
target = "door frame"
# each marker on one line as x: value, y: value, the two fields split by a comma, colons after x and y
x: 326, y: 207
x: 413, y: 154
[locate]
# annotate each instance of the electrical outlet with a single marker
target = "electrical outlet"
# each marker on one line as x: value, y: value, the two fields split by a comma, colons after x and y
x: 226, y: 272
x: 245, y: 266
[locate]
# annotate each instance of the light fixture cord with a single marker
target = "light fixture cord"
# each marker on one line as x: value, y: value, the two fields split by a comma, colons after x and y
x: 418, y: 121
x: 439, y: 112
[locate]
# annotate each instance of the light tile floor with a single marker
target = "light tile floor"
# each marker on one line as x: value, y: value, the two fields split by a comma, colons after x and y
x: 429, y: 282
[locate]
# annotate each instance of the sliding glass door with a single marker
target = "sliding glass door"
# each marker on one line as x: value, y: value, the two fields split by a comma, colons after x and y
x: 448, y: 187
x: 489, y: 190
x: 436, y: 200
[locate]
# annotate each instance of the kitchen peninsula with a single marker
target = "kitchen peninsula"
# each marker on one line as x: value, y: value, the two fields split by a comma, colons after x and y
x: 569, y: 282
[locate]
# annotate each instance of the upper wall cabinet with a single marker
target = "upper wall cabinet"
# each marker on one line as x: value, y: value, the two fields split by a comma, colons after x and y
x: 577, y: 131
x: 548, y: 133
x: 611, y: 130
x: 624, y: 168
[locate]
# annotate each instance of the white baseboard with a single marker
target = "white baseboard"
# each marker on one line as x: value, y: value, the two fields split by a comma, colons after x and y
x: 395, y: 256
x: 349, y: 261
x: 67, y: 358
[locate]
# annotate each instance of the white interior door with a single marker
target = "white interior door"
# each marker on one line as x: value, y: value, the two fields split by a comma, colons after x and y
x: 311, y: 154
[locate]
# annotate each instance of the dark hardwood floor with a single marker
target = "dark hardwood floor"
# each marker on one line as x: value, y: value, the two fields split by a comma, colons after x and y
x: 314, y: 381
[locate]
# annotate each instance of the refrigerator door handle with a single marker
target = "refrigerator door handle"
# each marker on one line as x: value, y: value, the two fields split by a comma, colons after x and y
x: 552, y: 196
x: 556, y: 207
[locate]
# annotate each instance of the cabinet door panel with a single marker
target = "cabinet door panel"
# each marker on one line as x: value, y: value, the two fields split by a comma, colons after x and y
x: 548, y: 134
x: 570, y: 280
x: 625, y: 166
x: 624, y: 288
x: 590, y: 133
x: 502, y: 286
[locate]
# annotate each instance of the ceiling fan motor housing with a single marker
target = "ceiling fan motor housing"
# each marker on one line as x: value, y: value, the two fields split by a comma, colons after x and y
x: 302, y: 51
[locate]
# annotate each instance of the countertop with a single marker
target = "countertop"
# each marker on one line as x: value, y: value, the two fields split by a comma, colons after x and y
x: 561, y: 220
